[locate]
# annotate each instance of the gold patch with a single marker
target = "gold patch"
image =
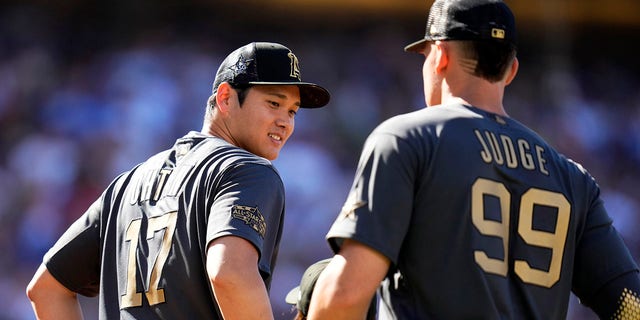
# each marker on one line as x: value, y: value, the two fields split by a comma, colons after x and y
x: 497, y: 33
x: 251, y: 216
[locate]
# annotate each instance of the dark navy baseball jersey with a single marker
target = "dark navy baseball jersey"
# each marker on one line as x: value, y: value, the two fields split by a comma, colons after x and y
x: 480, y: 218
x: 142, y: 245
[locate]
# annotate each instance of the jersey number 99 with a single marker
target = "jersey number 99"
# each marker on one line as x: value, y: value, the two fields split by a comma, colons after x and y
x: 555, y: 241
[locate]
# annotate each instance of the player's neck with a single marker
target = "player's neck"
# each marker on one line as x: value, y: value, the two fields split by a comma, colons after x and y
x: 217, y: 129
x: 481, y: 94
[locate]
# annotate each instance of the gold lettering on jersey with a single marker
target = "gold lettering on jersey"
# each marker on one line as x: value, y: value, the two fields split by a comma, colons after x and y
x: 541, y: 160
x: 251, y: 216
x: 502, y: 150
x: 180, y: 174
x: 162, y: 180
x: 165, y: 226
x: 150, y: 185
x: 495, y: 148
x: 484, y: 153
x: 142, y: 189
x: 525, y: 154
x: 498, y: 260
x: 509, y: 152
x: 147, y: 185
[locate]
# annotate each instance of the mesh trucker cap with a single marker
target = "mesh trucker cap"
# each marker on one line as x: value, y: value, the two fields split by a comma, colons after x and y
x: 483, y: 20
x: 269, y: 63
x: 300, y: 296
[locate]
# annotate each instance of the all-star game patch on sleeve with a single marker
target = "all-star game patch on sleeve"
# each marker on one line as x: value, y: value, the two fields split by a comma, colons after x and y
x: 249, y: 203
x: 251, y: 216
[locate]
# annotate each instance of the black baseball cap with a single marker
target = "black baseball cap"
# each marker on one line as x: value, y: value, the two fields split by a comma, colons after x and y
x: 480, y: 20
x: 269, y: 63
x: 300, y: 296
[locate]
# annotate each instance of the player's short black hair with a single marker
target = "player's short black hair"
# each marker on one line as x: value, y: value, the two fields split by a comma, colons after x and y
x: 241, y: 90
x: 492, y: 59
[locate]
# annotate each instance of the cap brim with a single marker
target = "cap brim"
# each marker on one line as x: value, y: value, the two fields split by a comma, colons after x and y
x: 293, y: 296
x: 417, y: 46
x: 311, y: 94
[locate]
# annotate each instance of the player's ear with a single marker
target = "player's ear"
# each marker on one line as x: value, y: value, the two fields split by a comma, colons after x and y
x: 511, y: 73
x: 223, y: 97
x: 442, y: 56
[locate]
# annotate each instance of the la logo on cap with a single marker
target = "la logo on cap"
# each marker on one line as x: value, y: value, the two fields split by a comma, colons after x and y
x: 295, y: 67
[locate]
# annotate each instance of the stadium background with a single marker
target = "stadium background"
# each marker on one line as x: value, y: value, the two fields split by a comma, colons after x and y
x: 88, y: 89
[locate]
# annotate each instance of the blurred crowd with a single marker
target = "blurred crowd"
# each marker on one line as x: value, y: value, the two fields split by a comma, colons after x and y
x: 78, y: 107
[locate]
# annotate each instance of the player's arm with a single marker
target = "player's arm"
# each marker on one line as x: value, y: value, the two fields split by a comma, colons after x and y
x: 232, y: 266
x: 345, y: 288
x: 50, y: 299
x: 618, y: 299
x: 605, y: 275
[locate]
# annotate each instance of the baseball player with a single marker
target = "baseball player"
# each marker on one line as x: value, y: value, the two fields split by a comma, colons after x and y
x: 193, y: 232
x: 463, y: 212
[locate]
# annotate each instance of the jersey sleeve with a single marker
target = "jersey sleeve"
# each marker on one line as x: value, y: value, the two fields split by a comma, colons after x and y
x: 378, y: 209
x: 249, y: 204
x: 74, y: 260
x: 601, y: 259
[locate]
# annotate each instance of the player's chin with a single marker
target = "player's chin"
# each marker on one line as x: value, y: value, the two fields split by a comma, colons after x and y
x: 270, y: 153
x: 271, y: 149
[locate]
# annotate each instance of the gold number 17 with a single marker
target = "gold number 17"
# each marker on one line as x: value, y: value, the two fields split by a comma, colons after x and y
x: 132, y: 298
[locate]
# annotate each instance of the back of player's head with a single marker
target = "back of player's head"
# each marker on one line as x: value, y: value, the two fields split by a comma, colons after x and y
x: 486, y: 28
